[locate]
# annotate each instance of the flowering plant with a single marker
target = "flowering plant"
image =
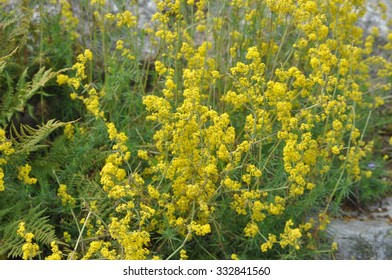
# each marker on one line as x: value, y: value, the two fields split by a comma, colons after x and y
x: 238, y: 140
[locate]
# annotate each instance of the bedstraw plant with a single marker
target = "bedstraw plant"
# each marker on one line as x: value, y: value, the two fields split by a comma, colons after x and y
x: 215, y: 130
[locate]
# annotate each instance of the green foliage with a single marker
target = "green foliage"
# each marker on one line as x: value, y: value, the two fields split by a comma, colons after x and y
x: 18, y: 204
x: 27, y: 139
x: 37, y: 222
x: 259, y: 81
x: 15, y: 99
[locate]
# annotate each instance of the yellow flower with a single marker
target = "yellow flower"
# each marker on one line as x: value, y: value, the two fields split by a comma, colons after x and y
x: 5, y: 145
x: 56, y: 253
x: 120, y: 44
x: 335, y: 150
x: 64, y: 196
x: 69, y: 131
x: 126, y: 18
x: 160, y: 67
x: 69, y: 22
x: 199, y: 229
x: 21, y: 229
x: 88, y: 54
x: 323, y: 221
x: 2, y: 188
x: 62, y: 79
x: 183, y: 255
x: 269, y: 243
x: 110, y: 17
x: 280, y: 6
x: 142, y: 154
x: 251, y: 229
x: 290, y: 236
x: 29, y: 249
x: 98, y: 2
x: 314, y: 62
x: 23, y: 175
x: 67, y: 236
x: 337, y: 125
x: 334, y: 246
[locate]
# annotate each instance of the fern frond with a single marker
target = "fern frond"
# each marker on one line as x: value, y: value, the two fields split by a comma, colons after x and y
x: 36, y: 222
x: 7, y: 22
x: 11, y: 243
x: 28, y: 138
x: 4, y: 58
x: 27, y: 90
x: 4, y: 213
x: 20, y: 90
x: 39, y: 224
x: 24, y: 90
x: 6, y: 101
x: 2, y: 65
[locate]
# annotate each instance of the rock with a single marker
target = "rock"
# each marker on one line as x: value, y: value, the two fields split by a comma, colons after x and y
x: 365, y: 237
x: 374, y: 18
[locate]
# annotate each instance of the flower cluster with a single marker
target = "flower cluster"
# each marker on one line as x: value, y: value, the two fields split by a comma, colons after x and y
x: 64, y: 196
x: 29, y: 248
x: 23, y: 175
x: 253, y: 117
x: 69, y: 131
x: 56, y: 253
x: 68, y: 19
x: 6, y: 150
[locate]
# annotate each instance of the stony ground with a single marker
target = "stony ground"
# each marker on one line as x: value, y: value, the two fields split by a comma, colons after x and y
x: 365, y: 234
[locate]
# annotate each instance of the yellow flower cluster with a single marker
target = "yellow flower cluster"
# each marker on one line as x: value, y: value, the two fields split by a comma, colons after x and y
x: 23, y: 175
x: 6, y: 150
x: 323, y: 221
x: 29, y: 248
x: 269, y: 243
x: 69, y: 131
x: 254, y: 124
x: 133, y: 242
x: 91, y: 101
x: 200, y: 229
x: 98, y: 2
x: 193, y: 171
x: 126, y: 18
x: 80, y: 65
x: 67, y: 236
x: 68, y: 19
x: 290, y: 236
x: 2, y: 188
x: 280, y: 6
x: 183, y: 255
x: 113, y: 177
x: 117, y: 184
x: 103, y: 248
x: 66, y: 198
x: 56, y: 253
x: 62, y: 79
x: 123, y: 21
x: 251, y: 229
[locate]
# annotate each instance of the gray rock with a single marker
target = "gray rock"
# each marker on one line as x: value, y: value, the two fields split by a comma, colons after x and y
x: 373, y: 17
x: 365, y: 237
